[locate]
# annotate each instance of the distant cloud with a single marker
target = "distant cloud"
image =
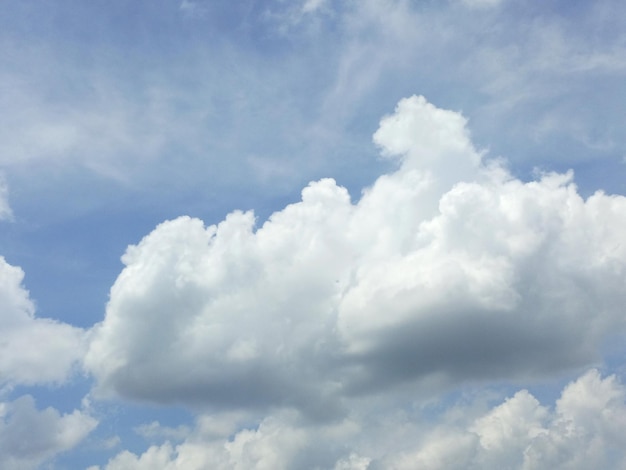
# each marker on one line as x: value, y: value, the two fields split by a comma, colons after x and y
x: 446, y: 269
x: 482, y: 3
x: 582, y: 431
x: 156, y: 430
x: 192, y: 8
x: 32, y: 350
x: 5, y: 210
x: 29, y: 437
x: 310, y: 6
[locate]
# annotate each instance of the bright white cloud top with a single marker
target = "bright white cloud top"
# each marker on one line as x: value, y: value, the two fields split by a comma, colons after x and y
x: 447, y: 291
x: 447, y: 269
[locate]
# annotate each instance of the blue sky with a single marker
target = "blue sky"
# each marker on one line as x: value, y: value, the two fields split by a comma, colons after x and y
x: 312, y: 234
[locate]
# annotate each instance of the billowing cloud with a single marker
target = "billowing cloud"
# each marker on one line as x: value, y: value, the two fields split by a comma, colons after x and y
x: 446, y: 269
x: 29, y: 436
x: 584, y: 430
x: 32, y: 350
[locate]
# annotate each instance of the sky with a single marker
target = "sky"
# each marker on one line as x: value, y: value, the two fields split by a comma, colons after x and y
x: 312, y: 234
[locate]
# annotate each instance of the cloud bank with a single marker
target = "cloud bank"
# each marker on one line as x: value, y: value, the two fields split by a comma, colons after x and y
x: 34, y: 351
x: 446, y: 269
x: 583, y: 430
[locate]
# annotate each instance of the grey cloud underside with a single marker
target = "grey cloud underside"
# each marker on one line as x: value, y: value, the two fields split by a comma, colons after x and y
x: 479, y: 346
x: 581, y: 431
x: 470, y: 274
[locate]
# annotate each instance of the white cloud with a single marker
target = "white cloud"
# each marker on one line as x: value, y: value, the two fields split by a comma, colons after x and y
x: 5, y: 210
x: 446, y: 269
x: 469, y: 275
x: 518, y: 72
x: 278, y: 441
x: 156, y: 430
x: 32, y: 350
x: 28, y: 437
x: 91, y: 132
x: 584, y: 430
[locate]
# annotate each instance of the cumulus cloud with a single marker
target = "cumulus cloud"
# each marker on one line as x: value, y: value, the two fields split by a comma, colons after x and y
x: 32, y: 350
x: 446, y: 269
x: 584, y: 430
x: 28, y: 436
x: 278, y: 441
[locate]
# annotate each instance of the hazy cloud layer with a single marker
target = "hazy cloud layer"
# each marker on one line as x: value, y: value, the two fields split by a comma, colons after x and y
x: 446, y: 269
x: 5, y: 209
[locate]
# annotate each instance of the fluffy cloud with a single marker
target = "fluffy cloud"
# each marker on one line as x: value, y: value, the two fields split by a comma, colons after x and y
x: 32, y: 350
x: 277, y: 441
x: 446, y: 269
x: 28, y: 436
x: 584, y: 430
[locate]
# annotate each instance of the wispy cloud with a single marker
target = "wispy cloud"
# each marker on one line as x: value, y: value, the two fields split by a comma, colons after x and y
x: 5, y: 209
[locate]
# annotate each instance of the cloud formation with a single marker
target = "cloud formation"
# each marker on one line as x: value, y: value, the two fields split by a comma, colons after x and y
x: 446, y: 269
x: 32, y: 350
x: 29, y: 437
x: 583, y: 430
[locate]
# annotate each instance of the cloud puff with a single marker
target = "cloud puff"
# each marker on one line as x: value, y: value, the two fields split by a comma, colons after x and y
x: 32, y: 350
x: 29, y: 437
x: 446, y: 269
x: 584, y: 430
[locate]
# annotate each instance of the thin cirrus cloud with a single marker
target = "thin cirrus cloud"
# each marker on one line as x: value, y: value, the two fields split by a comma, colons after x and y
x: 446, y: 269
x: 5, y: 209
